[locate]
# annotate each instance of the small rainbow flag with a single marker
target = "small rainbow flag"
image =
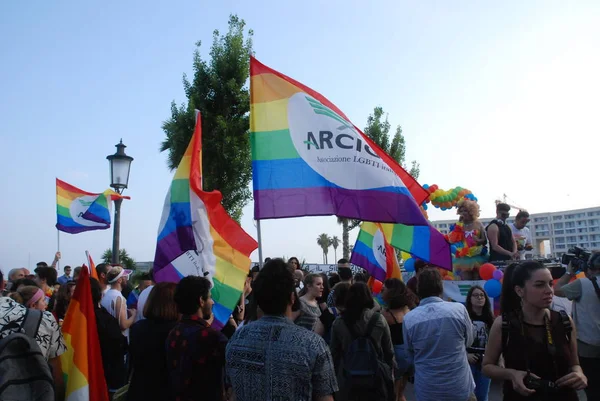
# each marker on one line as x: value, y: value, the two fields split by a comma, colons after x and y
x: 82, y: 362
x: 197, y: 237
x: 92, y: 265
x: 373, y: 252
x: 308, y: 159
x: 376, y: 240
x: 78, y: 210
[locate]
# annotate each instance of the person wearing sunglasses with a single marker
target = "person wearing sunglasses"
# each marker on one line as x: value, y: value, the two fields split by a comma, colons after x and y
x: 502, y: 243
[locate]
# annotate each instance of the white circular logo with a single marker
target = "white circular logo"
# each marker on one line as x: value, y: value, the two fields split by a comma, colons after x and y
x: 333, y: 148
x: 379, y: 249
x: 79, y: 206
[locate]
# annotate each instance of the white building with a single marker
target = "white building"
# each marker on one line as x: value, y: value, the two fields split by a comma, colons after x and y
x: 564, y: 230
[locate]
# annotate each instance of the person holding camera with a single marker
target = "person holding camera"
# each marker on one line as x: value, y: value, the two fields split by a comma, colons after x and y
x: 538, y: 345
x: 585, y: 294
x: 480, y: 311
x: 522, y: 234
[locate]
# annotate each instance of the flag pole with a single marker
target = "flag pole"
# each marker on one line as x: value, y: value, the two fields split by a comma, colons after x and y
x: 57, y: 247
x: 258, y: 234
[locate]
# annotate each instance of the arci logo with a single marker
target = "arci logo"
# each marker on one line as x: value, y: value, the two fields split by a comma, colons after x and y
x: 333, y: 148
x: 379, y: 249
x: 78, y: 208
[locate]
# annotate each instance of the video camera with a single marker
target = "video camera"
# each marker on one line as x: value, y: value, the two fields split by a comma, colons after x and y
x: 577, y: 256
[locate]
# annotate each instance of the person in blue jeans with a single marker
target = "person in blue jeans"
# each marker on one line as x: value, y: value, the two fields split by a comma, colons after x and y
x: 399, y: 300
x: 480, y: 310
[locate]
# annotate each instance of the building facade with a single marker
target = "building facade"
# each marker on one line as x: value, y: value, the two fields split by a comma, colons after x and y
x: 564, y: 230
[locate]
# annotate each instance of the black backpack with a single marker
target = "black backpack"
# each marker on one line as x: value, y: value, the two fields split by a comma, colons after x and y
x: 368, y: 377
x: 24, y: 372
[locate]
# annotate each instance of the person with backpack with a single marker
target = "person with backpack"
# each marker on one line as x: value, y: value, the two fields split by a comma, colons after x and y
x: 585, y: 295
x: 538, y: 345
x: 30, y: 346
x: 362, y: 350
x: 436, y: 336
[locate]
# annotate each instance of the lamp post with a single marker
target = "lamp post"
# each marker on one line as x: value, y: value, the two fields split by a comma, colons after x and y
x: 120, y: 164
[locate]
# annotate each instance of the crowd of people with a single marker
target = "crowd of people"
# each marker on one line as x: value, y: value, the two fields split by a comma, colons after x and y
x: 296, y: 335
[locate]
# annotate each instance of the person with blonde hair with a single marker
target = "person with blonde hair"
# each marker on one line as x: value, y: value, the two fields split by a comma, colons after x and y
x: 468, y: 241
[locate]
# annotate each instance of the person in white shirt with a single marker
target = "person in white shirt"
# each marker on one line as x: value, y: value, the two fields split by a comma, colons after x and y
x: 115, y: 303
x: 521, y: 234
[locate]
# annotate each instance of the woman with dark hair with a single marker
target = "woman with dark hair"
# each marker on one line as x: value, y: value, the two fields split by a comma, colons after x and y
x: 538, y: 345
x: 149, y: 380
x: 480, y: 311
x: 63, y: 299
x: 355, y: 319
x: 294, y: 263
x: 399, y: 300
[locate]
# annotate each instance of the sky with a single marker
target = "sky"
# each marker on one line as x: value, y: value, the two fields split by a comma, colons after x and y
x: 498, y: 98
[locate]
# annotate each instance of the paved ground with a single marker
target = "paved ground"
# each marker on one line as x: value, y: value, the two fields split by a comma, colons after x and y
x: 495, y: 393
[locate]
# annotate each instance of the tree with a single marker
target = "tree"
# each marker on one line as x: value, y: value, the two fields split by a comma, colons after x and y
x: 335, y: 242
x: 218, y: 89
x: 324, y: 242
x: 378, y: 129
x: 124, y: 259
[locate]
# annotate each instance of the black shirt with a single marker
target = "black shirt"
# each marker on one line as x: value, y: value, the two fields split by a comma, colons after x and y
x: 505, y: 240
x: 148, y: 352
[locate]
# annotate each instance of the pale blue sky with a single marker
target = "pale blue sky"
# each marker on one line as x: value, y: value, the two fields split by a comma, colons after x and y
x: 494, y: 97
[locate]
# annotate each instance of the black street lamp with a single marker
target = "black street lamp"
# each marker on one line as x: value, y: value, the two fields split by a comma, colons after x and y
x: 120, y: 165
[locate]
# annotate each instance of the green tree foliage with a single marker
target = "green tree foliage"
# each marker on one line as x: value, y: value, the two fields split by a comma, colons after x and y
x: 324, y: 242
x: 218, y: 89
x: 335, y: 242
x: 124, y: 259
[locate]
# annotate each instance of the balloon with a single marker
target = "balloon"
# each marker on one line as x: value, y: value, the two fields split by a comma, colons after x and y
x: 498, y: 274
x: 493, y: 288
x: 426, y: 186
x: 486, y: 271
x: 409, y: 265
x: 377, y: 287
x: 453, y: 249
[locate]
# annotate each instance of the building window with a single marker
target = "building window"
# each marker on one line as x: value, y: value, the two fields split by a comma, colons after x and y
x: 570, y: 231
x: 581, y: 223
x: 556, y: 217
x: 583, y: 238
x: 560, y: 240
x: 571, y: 239
x: 558, y: 225
x: 559, y: 246
x: 569, y: 216
x: 558, y: 232
x: 570, y: 224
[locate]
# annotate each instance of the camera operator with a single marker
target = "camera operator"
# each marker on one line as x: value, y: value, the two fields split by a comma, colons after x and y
x: 521, y: 233
x: 585, y: 294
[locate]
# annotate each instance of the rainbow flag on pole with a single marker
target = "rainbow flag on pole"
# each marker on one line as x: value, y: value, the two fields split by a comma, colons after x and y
x: 373, y: 252
x: 82, y: 362
x: 196, y: 236
x: 308, y: 159
x: 376, y: 240
x: 78, y: 211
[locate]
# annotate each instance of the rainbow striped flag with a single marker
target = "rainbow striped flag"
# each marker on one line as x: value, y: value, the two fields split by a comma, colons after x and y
x: 308, y: 159
x: 196, y: 236
x: 78, y: 211
x: 373, y: 252
x: 82, y: 362
x: 376, y: 240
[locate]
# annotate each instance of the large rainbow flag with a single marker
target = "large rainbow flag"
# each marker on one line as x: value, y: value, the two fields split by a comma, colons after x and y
x: 196, y: 236
x: 376, y: 240
x: 82, y: 362
x: 78, y: 210
x: 308, y: 159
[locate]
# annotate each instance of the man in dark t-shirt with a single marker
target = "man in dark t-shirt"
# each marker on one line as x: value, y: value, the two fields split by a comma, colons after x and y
x: 502, y: 243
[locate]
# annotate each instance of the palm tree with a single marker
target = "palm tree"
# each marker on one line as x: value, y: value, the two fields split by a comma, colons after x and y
x: 347, y: 226
x: 125, y: 260
x: 324, y: 242
x: 335, y: 242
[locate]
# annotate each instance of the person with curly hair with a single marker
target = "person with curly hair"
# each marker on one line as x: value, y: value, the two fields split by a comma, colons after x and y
x: 468, y: 241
